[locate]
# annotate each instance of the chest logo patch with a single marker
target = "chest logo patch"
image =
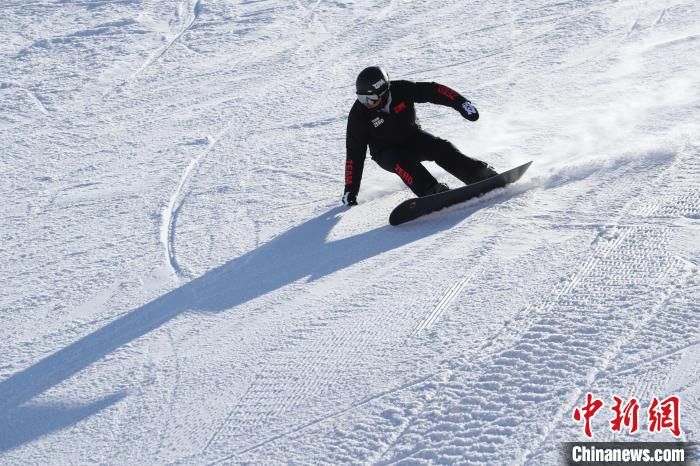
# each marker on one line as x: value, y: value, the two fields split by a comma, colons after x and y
x: 377, y: 121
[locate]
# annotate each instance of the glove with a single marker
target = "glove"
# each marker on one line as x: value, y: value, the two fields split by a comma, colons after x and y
x: 349, y: 199
x: 469, y: 111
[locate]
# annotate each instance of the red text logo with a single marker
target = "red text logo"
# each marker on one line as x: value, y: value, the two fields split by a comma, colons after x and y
x: 625, y: 415
x: 665, y: 414
x: 662, y: 414
x: 586, y: 412
x: 405, y: 176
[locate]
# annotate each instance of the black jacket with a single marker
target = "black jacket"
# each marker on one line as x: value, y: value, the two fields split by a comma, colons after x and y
x: 392, y: 124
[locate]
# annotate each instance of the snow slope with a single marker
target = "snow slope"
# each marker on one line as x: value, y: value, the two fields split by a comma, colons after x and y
x: 181, y: 285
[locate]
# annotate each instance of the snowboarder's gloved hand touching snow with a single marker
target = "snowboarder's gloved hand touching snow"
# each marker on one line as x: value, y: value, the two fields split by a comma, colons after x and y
x: 468, y: 111
x: 349, y: 199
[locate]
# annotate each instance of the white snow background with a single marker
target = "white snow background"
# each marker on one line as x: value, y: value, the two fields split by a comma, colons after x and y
x: 180, y: 283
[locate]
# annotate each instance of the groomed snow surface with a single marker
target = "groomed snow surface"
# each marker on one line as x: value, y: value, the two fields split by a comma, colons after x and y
x: 180, y: 284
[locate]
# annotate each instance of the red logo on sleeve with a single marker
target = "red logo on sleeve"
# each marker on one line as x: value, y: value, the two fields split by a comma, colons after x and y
x: 348, y: 172
x: 400, y: 107
x: 447, y: 92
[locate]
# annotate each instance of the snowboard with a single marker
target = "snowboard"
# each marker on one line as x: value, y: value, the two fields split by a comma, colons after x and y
x: 419, y: 206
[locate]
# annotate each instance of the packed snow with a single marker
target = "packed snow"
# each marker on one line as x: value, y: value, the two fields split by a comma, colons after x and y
x: 181, y: 284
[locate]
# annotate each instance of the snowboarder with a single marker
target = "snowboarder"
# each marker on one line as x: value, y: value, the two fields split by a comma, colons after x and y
x: 384, y: 117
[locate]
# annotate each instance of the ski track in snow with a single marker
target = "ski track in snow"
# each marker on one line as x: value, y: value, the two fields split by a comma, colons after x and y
x: 193, y: 10
x: 176, y: 202
x: 180, y: 278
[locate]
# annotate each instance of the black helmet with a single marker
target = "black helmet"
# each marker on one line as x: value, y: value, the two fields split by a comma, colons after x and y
x: 371, y: 85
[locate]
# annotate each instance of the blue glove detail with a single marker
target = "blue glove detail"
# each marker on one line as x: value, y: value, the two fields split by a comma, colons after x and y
x: 469, y: 111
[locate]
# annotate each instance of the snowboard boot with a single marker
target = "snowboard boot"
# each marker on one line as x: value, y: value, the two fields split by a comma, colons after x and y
x: 436, y: 188
x: 482, y: 173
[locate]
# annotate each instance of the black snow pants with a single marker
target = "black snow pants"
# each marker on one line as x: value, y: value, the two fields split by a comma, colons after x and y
x: 405, y: 160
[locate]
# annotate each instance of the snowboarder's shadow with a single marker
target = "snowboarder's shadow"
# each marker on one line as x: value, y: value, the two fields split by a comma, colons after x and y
x: 302, y: 252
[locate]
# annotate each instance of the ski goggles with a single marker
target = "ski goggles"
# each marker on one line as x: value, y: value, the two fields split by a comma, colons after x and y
x: 370, y: 100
